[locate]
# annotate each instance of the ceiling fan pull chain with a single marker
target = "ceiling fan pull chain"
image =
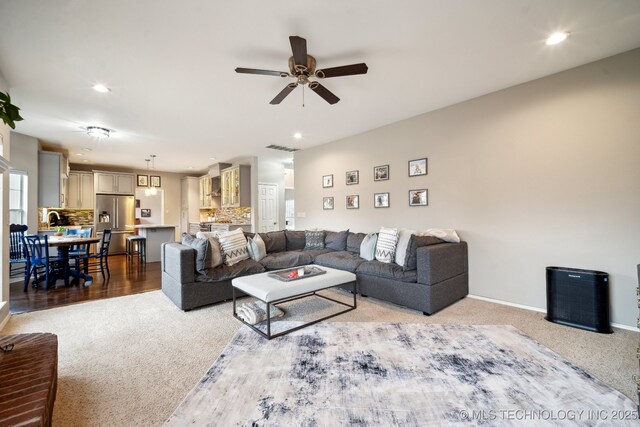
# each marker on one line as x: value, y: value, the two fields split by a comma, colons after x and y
x: 302, y: 96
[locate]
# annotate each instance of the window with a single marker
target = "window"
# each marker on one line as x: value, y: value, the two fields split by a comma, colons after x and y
x: 17, y: 197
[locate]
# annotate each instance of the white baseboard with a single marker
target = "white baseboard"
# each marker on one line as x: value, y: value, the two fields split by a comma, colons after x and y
x: 4, y: 321
x: 541, y: 310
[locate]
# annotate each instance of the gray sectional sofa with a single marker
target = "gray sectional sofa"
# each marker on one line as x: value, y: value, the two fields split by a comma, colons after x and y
x: 434, y: 274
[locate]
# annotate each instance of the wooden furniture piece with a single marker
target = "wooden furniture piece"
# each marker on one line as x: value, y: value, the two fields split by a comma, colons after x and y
x: 40, y: 262
x: 28, y: 379
x: 137, y: 245
x: 17, y: 251
x: 100, y: 260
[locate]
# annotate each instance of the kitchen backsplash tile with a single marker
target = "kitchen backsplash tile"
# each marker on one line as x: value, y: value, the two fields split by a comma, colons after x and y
x: 228, y: 215
x: 74, y: 216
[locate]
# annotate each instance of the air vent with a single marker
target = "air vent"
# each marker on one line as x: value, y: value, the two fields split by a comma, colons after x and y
x: 282, y: 148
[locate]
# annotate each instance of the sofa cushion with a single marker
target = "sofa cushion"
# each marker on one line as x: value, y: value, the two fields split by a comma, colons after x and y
x: 214, y: 257
x: 314, y: 239
x: 410, y: 262
x: 278, y: 260
x: 227, y: 272
x: 315, y: 252
x: 295, y: 239
x: 234, y: 246
x: 368, y: 247
x: 388, y: 271
x: 201, y: 246
x: 256, y: 247
x: 336, y: 240
x: 274, y: 241
x: 386, y: 245
x: 342, y: 260
x: 404, y: 236
x: 354, y: 240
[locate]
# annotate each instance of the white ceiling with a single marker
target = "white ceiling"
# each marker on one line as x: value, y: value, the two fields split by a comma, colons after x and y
x: 175, y: 94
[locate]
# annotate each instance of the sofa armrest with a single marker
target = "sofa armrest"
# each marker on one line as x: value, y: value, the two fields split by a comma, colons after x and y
x: 178, y: 261
x: 437, y: 263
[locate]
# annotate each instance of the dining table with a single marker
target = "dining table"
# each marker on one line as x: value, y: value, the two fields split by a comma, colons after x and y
x: 64, y: 244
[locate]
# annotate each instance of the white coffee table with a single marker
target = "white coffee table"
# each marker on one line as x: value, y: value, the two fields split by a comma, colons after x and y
x: 273, y: 291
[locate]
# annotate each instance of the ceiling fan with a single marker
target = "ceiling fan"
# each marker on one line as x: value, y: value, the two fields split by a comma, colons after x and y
x: 302, y: 67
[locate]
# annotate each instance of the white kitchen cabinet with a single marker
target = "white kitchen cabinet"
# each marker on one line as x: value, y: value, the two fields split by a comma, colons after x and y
x: 80, y: 193
x: 52, y: 179
x: 113, y: 183
x: 236, y: 186
x: 205, y: 192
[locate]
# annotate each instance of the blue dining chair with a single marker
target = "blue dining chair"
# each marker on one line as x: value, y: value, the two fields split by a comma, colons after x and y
x: 17, y: 250
x: 39, y: 261
x: 80, y: 252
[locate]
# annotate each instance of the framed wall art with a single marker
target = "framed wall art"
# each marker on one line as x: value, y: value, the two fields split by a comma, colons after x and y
x: 418, y: 197
x: 145, y: 213
x: 381, y: 173
x: 353, y: 201
x: 352, y: 177
x: 143, y: 180
x: 154, y: 181
x: 381, y: 200
x: 327, y: 203
x: 418, y: 167
x: 327, y: 181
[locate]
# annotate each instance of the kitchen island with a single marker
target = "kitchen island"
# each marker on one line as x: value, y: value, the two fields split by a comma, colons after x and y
x: 156, y: 235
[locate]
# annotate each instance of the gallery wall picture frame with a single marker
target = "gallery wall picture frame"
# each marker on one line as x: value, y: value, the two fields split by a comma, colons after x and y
x: 145, y: 213
x: 327, y: 181
x: 353, y: 201
x: 418, y: 167
x: 381, y: 173
x: 143, y: 180
x: 353, y: 177
x: 154, y: 181
x: 381, y: 200
x: 327, y: 203
x: 419, y: 197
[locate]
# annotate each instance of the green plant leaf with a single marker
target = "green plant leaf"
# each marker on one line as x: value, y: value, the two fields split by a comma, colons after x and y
x: 5, y: 97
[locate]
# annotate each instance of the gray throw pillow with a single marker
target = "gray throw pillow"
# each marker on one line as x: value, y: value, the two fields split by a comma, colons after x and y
x: 215, y: 257
x: 368, y: 247
x: 410, y: 261
x: 354, y: 240
x: 275, y: 241
x: 256, y: 248
x: 295, y: 240
x: 313, y: 239
x: 200, y: 245
x: 336, y: 240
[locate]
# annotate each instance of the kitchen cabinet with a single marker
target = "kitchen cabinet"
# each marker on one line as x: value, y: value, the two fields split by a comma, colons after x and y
x: 217, y: 226
x: 52, y: 179
x: 205, y: 192
x: 189, y: 202
x: 236, y: 186
x: 80, y: 193
x: 113, y: 183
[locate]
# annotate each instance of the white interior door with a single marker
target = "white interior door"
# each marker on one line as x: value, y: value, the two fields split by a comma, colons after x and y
x: 268, y: 205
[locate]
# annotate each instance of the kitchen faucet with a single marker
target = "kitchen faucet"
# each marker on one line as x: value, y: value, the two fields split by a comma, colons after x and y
x: 49, y: 216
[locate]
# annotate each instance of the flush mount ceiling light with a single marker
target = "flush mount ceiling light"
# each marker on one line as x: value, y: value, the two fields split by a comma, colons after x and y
x: 98, y: 132
x: 99, y: 87
x: 297, y: 135
x: 556, y: 38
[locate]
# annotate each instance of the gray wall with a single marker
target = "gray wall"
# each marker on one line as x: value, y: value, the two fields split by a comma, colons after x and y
x: 544, y: 173
x: 24, y: 157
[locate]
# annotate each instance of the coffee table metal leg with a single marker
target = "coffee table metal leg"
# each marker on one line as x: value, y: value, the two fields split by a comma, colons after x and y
x: 233, y: 291
x: 268, y: 321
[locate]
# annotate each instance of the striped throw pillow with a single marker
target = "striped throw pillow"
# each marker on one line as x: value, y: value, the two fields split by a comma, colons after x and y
x: 234, y: 246
x: 386, y: 245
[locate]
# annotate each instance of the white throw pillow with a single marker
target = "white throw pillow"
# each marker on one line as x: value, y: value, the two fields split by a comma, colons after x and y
x: 368, y: 247
x: 215, y: 257
x: 386, y: 245
x: 256, y: 247
x: 234, y: 246
x: 404, y: 237
x: 446, y: 234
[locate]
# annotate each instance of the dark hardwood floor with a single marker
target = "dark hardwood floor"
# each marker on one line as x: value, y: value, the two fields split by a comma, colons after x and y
x: 126, y: 278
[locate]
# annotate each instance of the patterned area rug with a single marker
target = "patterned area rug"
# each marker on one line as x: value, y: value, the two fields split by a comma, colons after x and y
x: 382, y: 374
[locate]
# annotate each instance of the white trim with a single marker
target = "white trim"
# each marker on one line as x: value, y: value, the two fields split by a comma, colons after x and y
x: 541, y: 310
x: 4, y: 164
x: 8, y: 316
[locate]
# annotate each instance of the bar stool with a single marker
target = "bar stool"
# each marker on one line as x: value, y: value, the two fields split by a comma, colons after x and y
x: 141, y: 244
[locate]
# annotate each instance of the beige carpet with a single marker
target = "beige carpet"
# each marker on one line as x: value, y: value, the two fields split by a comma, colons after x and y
x: 131, y: 360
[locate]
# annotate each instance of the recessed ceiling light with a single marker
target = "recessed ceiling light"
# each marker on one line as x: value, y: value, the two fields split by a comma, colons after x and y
x: 87, y: 149
x: 556, y: 38
x: 101, y: 88
x: 297, y: 135
x: 86, y: 161
x: 212, y: 158
x: 79, y: 154
x: 190, y: 167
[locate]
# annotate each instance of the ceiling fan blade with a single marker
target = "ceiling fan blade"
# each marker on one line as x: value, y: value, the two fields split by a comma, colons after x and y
x: 264, y: 72
x: 283, y: 93
x: 345, y: 70
x: 325, y: 93
x: 299, y: 49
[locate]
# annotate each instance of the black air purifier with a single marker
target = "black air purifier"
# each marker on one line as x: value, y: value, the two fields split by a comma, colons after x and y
x: 578, y: 298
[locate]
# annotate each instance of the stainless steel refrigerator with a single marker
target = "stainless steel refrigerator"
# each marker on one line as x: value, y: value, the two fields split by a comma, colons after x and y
x: 118, y: 214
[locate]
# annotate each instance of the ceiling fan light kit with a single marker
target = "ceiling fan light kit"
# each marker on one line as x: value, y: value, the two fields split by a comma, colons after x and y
x: 302, y: 67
